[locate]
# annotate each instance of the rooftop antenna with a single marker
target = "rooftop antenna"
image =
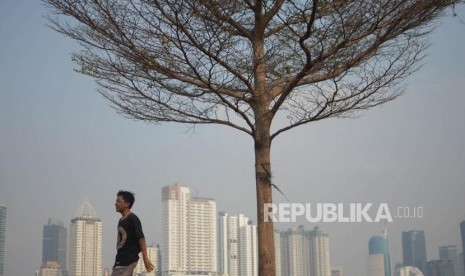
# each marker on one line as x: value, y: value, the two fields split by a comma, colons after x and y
x: 385, y: 230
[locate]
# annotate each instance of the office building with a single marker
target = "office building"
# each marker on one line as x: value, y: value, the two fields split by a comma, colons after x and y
x: 2, y: 238
x: 414, y: 249
x: 379, y: 262
x: 448, y: 252
x: 189, y: 232
x: 458, y: 265
x: 440, y: 268
x: 448, y: 256
x: 54, y: 244
x: 85, y: 243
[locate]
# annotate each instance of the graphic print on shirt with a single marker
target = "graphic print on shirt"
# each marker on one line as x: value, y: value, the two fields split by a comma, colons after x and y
x: 122, y: 237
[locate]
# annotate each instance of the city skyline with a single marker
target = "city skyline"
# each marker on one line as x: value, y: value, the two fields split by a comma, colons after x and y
x: 61, y: 142
x: 314, y: 255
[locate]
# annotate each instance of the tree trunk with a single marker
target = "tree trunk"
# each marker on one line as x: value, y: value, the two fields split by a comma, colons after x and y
x: 266, y: 249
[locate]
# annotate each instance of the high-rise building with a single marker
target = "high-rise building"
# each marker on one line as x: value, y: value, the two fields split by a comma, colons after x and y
x: 152, y: 254
x: 2, y: 237
x: 414, y: 249
x: 189, y: 232
x: 248, y: 249
x: 238, y: 246
x: 54, y: 244
x: 379, y: 260
x: 229, y: 243
x: 85, y: 243
x: 305, y: 252
x: 449, y: 254
x: 458, y: 265
x: 319, y: 253
x: 440, y: 268
x: 295, y: 249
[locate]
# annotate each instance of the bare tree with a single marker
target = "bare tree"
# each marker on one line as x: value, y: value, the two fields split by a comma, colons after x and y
x: 243, y: 63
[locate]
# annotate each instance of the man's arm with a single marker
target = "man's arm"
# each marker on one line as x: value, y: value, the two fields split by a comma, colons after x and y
x: 143, y: 248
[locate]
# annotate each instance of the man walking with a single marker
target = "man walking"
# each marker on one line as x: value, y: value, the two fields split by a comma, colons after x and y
x: 131, y: 239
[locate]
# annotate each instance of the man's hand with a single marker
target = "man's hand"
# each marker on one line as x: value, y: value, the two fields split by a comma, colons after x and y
x: 148, y: 265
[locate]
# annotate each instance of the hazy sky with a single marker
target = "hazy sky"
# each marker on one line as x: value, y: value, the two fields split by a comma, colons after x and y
x: 60, y: 142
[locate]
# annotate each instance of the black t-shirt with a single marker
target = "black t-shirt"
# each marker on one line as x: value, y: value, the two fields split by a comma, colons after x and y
x: 129, y: 234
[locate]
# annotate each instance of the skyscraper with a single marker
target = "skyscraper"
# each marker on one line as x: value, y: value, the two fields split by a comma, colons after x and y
x: 319, y: 253
x: 458, y: 265
x: 248, y: 249
x: 440, y: 268
x: 305, y: 253
x: 229, y: 243
x: 295, y: 248
x: 85, y: 243
x: 379, y: 260
x: 2, y: 237
x: 189, y: 232
x: 414, y: 249
x: 448, y: 252
x: 54, y: 244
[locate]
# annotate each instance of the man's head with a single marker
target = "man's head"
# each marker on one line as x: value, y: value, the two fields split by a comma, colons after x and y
x: 125, y: 199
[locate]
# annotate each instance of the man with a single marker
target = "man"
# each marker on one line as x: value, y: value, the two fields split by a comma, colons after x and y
x: 131, y: 239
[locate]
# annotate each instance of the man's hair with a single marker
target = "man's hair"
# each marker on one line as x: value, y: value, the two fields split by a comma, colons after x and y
x: 127, y: 196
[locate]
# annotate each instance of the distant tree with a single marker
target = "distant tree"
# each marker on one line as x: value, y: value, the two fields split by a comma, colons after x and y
x: 243, y: 63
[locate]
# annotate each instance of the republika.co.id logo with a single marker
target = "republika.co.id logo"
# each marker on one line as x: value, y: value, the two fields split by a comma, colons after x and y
x: 338, y: 212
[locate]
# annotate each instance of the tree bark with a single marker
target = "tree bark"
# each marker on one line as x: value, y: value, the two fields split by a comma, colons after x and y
x: 266, y: 252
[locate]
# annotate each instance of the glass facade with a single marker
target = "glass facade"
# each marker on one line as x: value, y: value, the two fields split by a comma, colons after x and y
x: 379, y: 245
x: 54, y: 243
x: 414, y: 249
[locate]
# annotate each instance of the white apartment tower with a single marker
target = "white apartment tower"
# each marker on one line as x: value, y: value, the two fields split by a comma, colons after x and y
x: 238, y: 246
x: 305, y: 253
x: 248, y: 249
x: 295, y: 249
x: 189, y: 233
x: 319, y: 253
x: 85, y: 243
